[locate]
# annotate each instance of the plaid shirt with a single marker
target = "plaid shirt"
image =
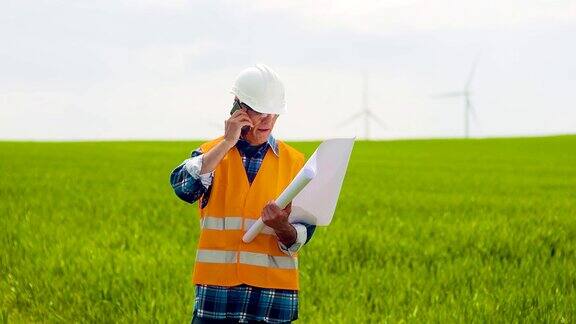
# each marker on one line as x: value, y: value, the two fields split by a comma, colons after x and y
x: 244, y: 303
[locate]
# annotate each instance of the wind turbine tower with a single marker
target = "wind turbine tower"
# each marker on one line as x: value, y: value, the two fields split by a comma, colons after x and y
x: 466, y: 94
x: 365, y: 111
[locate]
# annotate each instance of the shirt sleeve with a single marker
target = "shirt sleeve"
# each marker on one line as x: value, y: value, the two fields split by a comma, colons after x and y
x: 186, y: 181
x: 304, y: 234
x: 193, y: 165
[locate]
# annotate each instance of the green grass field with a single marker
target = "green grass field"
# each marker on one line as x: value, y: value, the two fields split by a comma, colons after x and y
x: 425, y: 231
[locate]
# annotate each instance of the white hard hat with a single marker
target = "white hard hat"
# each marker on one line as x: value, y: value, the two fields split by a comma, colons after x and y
x: 260, y: 88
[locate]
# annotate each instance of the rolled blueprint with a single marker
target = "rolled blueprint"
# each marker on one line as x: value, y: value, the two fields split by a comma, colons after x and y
x: 298, y: 183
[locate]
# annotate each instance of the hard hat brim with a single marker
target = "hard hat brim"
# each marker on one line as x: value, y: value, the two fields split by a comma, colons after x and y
x: 259, y: 108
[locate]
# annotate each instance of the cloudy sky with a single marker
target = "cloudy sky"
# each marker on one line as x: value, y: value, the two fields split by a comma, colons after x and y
x: 162, y: 69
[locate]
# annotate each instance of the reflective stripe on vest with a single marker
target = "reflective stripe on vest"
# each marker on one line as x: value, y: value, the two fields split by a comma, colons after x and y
x: 230, y: 223
x: 216, y: 256
x: 250, y: 258
x: 221, y: 223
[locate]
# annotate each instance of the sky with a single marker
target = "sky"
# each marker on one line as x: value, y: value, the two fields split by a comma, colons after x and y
x: 163, y: 69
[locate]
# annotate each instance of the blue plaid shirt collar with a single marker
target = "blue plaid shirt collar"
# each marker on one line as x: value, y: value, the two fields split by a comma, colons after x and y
x: 243, y: 145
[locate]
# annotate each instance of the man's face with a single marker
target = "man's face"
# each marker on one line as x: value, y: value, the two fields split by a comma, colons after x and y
x: 263, y: 125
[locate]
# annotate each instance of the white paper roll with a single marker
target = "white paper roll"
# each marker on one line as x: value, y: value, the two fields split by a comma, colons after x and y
x: 298, y: 183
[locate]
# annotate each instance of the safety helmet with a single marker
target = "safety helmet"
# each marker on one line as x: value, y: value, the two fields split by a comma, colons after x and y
x: 260, y: 88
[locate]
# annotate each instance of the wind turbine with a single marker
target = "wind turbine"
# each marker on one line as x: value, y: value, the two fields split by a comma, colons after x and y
x: 365, y: 112
x: 466, y: 94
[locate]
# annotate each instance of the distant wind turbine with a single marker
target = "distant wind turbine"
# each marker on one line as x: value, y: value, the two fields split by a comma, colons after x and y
x: 365, y: 112
x: 466, y: 94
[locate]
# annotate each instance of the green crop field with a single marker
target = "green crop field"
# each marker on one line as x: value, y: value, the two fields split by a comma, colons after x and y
x: 425, y: 231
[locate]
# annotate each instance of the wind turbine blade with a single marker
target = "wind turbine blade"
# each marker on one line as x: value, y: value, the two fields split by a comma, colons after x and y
x: 448, y: 95
x: 376, y: 119
x: 472, y: 71
x: 351, y: 119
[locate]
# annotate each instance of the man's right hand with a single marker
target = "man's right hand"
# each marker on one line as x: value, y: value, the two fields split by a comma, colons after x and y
x: 233, y: 126
x: 232, y: 133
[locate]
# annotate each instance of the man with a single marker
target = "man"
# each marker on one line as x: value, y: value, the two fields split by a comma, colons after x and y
x: 236, y: 178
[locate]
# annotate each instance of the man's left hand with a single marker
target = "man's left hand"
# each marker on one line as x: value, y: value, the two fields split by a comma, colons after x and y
x: 275, y: 217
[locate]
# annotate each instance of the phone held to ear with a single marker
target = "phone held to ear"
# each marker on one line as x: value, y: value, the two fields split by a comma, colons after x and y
x: 245, y: 129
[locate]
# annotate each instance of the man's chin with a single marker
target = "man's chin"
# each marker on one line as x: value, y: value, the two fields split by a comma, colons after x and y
x: 258, y: 137
x: 261, y: 135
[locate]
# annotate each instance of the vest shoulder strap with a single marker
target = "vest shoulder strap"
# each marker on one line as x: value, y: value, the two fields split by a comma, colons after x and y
x: 210, y: 144
x: 293, y: 153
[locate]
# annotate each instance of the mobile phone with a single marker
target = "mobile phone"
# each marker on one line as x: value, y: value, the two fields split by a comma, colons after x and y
x: 236, y: 106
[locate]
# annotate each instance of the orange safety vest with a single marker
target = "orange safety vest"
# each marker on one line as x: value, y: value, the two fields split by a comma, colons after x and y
x: 223, y: 259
